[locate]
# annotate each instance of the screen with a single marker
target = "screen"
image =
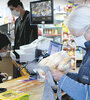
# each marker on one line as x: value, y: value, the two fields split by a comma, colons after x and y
x: 41, y: 11
x: 54, y: 47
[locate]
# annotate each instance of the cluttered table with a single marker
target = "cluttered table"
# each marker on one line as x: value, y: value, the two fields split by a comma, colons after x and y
x: 33, y: 87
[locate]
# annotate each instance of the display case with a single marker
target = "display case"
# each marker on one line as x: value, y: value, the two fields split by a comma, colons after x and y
x: 53, y: 32
x: 69, y: 45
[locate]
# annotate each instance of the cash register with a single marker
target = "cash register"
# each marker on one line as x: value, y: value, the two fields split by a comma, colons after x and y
x: 33, y: 53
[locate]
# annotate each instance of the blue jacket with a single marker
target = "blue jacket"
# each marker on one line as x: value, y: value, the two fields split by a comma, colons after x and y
x: 69, y: 83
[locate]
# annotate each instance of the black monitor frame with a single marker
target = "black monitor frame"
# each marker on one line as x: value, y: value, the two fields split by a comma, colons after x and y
x: 41, y: 19
x: 54, y: 44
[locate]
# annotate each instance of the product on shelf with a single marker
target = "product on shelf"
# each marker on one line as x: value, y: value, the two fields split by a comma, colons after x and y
x: 69, y: 45
x: 40, y: 31
x: 53, y: 31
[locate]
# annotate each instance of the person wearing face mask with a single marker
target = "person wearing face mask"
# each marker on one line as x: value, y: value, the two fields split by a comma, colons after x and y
x: 24, y: 32
x: 4, y: 43
x: 77, y: 85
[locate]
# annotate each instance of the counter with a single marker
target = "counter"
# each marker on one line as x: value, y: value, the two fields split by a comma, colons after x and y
x: 33, y: 88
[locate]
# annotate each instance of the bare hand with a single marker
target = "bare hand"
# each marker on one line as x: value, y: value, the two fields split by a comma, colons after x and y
x: 56, y: 74
x: 4, y: 75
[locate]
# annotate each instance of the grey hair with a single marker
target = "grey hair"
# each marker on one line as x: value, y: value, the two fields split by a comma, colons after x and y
x: 79, y: 19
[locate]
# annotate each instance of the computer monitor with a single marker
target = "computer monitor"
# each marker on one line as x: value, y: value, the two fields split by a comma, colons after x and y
x: 41, y: 12
x: 54, y: 47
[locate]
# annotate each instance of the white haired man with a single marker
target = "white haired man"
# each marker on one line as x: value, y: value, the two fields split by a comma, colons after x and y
x: 77, y: 85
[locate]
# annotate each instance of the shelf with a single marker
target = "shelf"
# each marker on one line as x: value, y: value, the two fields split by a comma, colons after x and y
x: 66, y: 33
x: 52, y: 34
x: 72, y: 39
x: 73, y: 57
x: 52, y: 27
x: 79, y: 59
x: 59, y: 20
x: 65, y: 39
x: 60, y: 12
x: 68, y: 39
x: 71, y: 49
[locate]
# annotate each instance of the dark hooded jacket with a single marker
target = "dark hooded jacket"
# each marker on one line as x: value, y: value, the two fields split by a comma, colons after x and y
x: 84, y: 72
x: 24, y: 32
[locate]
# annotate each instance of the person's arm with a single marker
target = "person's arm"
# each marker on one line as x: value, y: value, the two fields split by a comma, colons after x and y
x: 3, y: 75
x: 0, y: 58
x: 16, y: 45
x: 31, y: 31
x: 73, y: 88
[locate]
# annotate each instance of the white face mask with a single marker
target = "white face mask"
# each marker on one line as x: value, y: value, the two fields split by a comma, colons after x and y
x: 80, y: 41
x: 3, y: 54
x: 16, y: 13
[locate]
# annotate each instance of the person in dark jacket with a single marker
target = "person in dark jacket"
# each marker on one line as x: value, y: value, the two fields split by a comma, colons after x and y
x: 77, y: 85
x: 4, y: 44
x: 24, y: 32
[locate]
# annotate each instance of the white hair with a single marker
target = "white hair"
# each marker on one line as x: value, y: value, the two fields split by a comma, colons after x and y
x: 79, y: 19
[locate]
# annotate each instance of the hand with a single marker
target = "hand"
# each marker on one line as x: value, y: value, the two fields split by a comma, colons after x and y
x: 5, y: 75
x: 56, y: 74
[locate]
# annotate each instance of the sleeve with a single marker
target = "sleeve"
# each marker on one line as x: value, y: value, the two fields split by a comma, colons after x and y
x: 1, y: 77
x: 15, y: 35
x: 73, y: 76
x: 0, y: 58
x: 73, y: 88
x: 31, y: 30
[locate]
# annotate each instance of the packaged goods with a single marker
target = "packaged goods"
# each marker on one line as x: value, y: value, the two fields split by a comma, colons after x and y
x: 14, y: 95
x: 60, y: 60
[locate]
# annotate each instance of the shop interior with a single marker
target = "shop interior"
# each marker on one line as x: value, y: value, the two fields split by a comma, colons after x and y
x: 53, y: 36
